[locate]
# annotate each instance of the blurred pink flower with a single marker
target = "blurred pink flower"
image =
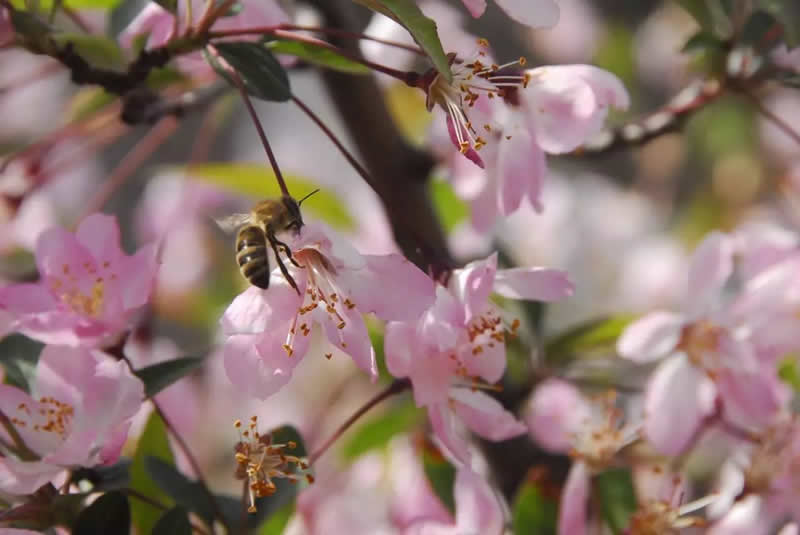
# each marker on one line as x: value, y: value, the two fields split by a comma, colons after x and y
x: 554, y: 412
x: 89, y: 288
x: 704, y: 358
x: 477, y: 509
x: 267, y: 331
x: 78, y: 415
x: 459, y: 341
x: 153, y: 23
x: 533, y: 13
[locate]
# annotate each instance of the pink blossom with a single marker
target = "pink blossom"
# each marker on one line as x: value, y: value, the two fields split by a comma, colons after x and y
x: 459, y: 341
x: 268, y: 331
x: 477, y: 509
x: 706, y: 358
x: 78, y: 414
x: 533, y: 13
x: 89, y: 288
x: 554, y: 412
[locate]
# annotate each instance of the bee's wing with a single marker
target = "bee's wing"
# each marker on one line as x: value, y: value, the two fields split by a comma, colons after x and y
x: 232, y: 222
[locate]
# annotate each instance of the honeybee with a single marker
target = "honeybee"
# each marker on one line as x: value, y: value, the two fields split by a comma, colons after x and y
x: 260, y: 227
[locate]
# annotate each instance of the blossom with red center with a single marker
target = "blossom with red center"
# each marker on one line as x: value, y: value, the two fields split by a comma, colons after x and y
x: 89, y: 289
x: 707, y: 354
x: 458, y: 347
x: 78, y: 414
x: 268, y: 331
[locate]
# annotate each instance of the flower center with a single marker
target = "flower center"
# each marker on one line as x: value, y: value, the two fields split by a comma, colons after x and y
x: 700, y: 341
x: 74, y: 290
x: 258, y: 460
x: 49, y: 416
x: 602, y: 434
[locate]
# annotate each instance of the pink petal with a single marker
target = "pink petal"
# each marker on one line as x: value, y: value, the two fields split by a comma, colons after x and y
x: 391, y: 287
x: 254, y: 13
x: 59, y: 256
x: 533, y: 13
x: 256, y: 310
x: 99, y: 234
x: 746, y: 517
x: 678, y: 398
x: 431, y: 377
x: 535, y: 284
x: 399, y: 345
x: 519, y: 162
x: 471, y: 154
x: 442, y: 325
x: 489, y: 363
x: 473, y: 284
x: 256, y: 367
x: 138, y: 277
x: 710, y: 268
x: 352, y: 337
x: 444, y: 426
x: 17, y: 404
x: 26, y: 298
x: 475, y: 7
x: 477, y: 508
x: 572, y: 515
x: 485, y: 415
x: 751, y: 400
x: 651, y: 337
x: 18, y: 477
x: 153, y: 20
x: 554, y: 414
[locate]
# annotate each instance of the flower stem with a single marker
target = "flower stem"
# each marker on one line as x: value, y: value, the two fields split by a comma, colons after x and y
x: 251, y: 110
x: 397, y: 386
x: 772, y: 116
x: 328, y: 132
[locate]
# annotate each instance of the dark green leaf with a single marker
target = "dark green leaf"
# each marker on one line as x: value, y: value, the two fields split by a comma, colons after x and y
x: 711, y: 15
x: 441, y: 475
x: 153, y: 442
x: 318, y: 56
x: 590, y: 336
x: 159, y: 376
x: 169, y: 5
x: 408, y: 14
x: 122, y: 15
x: 761, y: 31
x: 377, y: 432
x: 788, y: 12
x: 277, y: 522
x: 703, y: 41
x: 189, y: 494
x: 258, y: 181
x: 261, y: 73
x: 18, y: 356
x: 789, y: 79
x: 173, y: 522
x: 113, y: 477
x: 110, y: 513
x: 532, y: 511
x: 288, y: 434
x: 617, y: 498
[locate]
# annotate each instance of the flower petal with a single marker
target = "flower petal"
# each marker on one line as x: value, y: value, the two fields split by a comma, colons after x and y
x: 534, y: 284
x: 485, y: 415
x: 477, y: 509
x: 445, y: 425
x: 255, y: 310
x: 650, y: 337
x: 473, y: 284
x: 350, y: 336
x: 99, y: 234
x: 533, y: 13
x: 475, y: 7
x: 710, y: 268
x: 554, y: 413
x: 678, y: 397
x: 574, y: 501
x: 137, y: 277
x: 258, y: 366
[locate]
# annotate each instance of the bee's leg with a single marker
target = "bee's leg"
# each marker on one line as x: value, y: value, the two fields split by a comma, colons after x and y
x: 287, y: 251
x: 274, y: 242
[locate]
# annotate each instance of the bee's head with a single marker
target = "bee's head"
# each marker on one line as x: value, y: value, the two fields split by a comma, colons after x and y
x: 293, y: 208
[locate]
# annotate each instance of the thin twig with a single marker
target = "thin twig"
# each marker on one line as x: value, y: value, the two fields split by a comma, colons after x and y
x: 769, y: 114
x: 328, y: 132
x: 254, y: 116
x: 131, y: 162
x: 397, y: 386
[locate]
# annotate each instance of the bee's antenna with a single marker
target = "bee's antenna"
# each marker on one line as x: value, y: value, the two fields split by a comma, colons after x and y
x: 307, y: 196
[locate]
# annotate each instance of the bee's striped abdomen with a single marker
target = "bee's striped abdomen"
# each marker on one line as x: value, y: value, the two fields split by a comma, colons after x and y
x: 251, y: 255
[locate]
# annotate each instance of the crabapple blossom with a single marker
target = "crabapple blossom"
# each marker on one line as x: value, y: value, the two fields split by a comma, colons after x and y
x: 477, y: 509
x: 533, y: 13
x: 78, y: 414
x: 459, y: 341
x: 268, y: 331
x: 705, y: 357
x: 89, y: 289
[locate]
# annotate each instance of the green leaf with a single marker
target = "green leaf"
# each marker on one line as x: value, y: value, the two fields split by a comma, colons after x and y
x: 87, y: 101
x: 589, y: 336
x: 789, y: 371
x: 173, y: 522
x: 703, y: 42
x: 617, y: 497
x: 318, y: 56
x: 286, y: 434
x: 261, y: 73
x: 532, y: 511
x: 450, y: 209
x: 762, y: 31
x: 277, y: 521
x: 18, y: 356
x: 187, y: 493
x: 440, y: 473
x: 422, y: 29
x: 97, y: 50
x: 110, y: 513
x: 152, y: 443
x: 711, y: 15
x: 159, y: 376
x: 788, y: 12
x: 113, y: 477
x: 376, y: 433
x: 258, y: 181
x: 123, y: 14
